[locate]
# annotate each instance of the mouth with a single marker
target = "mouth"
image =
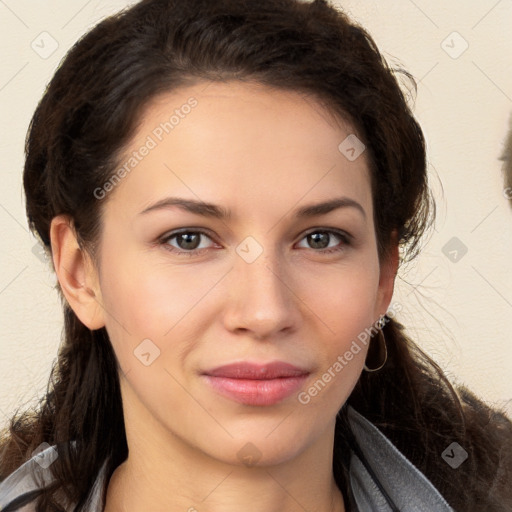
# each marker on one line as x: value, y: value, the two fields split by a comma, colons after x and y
x: 256, y: 384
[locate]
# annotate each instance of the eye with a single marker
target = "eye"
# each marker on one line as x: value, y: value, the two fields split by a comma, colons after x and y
x: 321, y: 238
x: 188, y: 242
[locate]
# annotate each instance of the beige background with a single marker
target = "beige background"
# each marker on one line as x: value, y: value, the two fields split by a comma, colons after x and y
x: 459, y: 311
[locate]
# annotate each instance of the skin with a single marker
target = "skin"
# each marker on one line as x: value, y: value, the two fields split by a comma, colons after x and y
x: 262, y: 153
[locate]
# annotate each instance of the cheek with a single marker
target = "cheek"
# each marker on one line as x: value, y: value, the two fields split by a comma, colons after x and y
x: 148, y: 300
x: 347, y: 298
x: 345, y: 313
x: 149, y: 326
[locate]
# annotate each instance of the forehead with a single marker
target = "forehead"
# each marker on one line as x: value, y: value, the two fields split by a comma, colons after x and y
x: 242, y: 144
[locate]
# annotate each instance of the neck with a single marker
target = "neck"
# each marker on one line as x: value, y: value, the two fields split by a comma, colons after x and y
x: 239, y: 489
x: 164, y: 473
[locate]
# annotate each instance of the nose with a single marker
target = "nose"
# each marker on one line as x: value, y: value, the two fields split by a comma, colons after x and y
x: 261, y: 300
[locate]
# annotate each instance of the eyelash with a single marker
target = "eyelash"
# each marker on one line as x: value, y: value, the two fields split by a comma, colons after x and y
x: 345, y: 238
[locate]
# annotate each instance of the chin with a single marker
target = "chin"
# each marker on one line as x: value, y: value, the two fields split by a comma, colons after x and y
x: 264, y: 444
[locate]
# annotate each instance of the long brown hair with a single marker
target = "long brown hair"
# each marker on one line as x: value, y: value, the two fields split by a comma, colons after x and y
x: 85, y: 119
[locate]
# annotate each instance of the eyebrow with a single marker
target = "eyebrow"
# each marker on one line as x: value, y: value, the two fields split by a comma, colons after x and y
x: 219, y: 212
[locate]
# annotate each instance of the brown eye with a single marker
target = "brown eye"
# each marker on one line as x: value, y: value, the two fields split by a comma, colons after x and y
x: 185, y: 242
x: 321, y: 241
x: 190, y: 240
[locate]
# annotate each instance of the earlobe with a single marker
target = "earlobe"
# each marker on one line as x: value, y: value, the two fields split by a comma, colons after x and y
x: 76, y: 273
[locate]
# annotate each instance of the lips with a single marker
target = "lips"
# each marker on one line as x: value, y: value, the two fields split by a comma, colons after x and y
x: 253, y: 371
x: 255, y: 384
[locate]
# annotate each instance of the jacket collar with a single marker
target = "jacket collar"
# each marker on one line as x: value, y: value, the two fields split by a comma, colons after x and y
x: 396, y: 482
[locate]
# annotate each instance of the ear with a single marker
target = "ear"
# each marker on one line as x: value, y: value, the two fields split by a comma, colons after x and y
x: 76, y: 273
x: 388, y: 271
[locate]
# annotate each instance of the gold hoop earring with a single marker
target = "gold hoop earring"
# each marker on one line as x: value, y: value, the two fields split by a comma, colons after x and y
x: 382, y: 341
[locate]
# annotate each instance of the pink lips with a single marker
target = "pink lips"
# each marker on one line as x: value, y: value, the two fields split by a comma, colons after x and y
x: 254, y: 384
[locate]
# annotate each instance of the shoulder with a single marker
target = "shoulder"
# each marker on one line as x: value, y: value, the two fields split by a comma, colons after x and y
x: 489, y: 434
x: 464, y: 450
x: 21, y: 488
x: 382, y: 477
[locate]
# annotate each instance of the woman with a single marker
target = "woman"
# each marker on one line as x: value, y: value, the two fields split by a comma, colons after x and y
x: 227, y: 190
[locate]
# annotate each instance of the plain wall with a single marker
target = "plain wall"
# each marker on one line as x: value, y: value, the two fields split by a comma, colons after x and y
x: 458, y: 310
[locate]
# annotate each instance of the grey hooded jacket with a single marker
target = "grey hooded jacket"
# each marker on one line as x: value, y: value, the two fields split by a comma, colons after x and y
x: 396, y: 484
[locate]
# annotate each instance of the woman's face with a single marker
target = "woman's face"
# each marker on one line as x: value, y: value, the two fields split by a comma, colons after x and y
x: 261, y: 285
